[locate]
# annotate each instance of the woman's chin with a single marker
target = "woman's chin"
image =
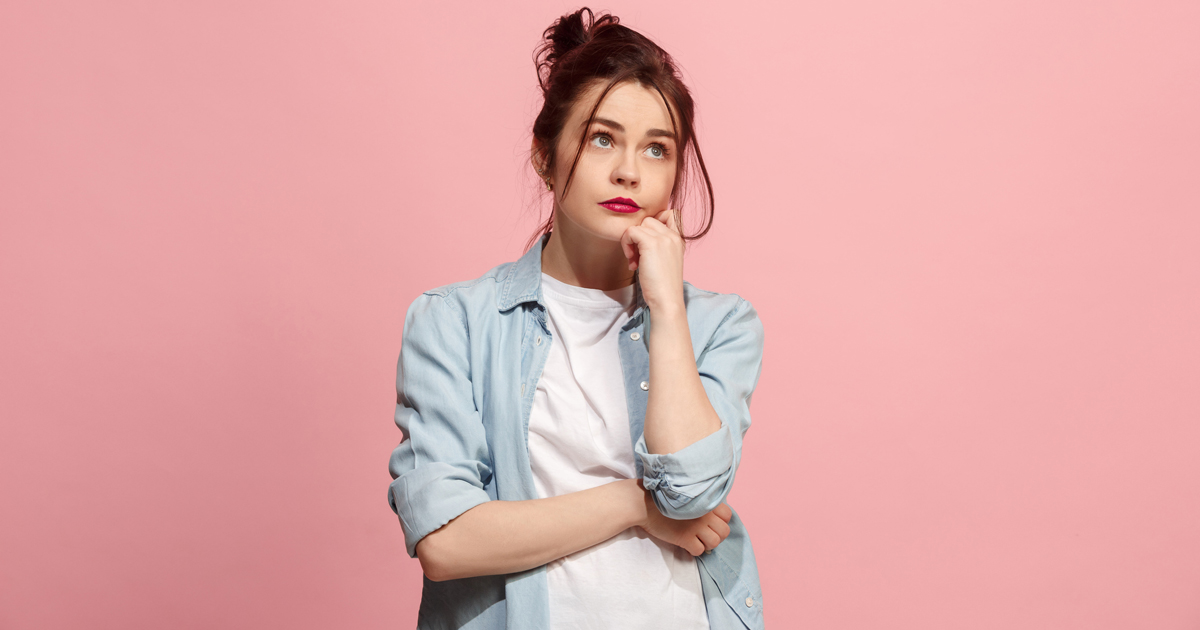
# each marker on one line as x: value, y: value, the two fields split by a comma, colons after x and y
x: 622, y: 220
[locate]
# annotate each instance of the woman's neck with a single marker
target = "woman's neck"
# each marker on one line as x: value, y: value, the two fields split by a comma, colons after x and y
x: 586, y: 261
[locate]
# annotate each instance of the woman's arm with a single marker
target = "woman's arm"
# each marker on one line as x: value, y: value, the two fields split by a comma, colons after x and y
x: 697, y: 476
x: 500, y: 537
x: 698, y: 408
x: 678, y: 412
x: 508, y: 536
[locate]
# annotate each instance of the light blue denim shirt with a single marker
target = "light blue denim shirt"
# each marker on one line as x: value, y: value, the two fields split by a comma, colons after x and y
x: 470, y: 359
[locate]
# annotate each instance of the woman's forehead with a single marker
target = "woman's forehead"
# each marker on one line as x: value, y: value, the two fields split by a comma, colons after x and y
x: 630, y: 104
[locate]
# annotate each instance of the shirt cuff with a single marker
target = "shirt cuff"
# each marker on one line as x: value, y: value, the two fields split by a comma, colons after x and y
x: 693, y: 480
x: 426, y: 505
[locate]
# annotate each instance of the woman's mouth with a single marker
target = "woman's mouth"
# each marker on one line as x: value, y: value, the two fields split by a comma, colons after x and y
x: 620, y: 204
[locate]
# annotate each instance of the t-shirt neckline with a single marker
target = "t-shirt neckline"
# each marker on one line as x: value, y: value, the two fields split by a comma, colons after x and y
x: 596, y: 298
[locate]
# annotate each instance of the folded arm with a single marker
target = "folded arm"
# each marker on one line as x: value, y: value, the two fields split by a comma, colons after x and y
x: 499, y: 537
x: 698, y: 410
x: 442, y: 465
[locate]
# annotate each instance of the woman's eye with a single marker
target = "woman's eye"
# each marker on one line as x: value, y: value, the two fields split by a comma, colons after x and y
x: 655, y: 151
x: 602, y: 141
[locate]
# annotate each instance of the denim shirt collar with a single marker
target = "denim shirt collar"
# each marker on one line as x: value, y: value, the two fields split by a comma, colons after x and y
x: 523, y: 282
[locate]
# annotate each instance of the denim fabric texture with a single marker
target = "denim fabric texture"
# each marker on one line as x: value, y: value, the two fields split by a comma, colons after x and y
x: 470, y: 359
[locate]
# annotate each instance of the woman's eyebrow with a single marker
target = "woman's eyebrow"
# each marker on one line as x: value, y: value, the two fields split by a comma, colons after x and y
x: 650, y: 133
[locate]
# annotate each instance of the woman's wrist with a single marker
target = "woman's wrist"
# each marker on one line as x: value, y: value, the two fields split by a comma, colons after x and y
x: 638, y: 502
x: 673, y: 308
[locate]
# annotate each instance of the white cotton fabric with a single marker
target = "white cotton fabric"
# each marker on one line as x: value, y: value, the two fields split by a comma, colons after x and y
x: 579, y: 438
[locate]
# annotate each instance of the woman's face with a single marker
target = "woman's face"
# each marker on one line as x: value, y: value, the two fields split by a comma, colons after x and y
x: 629, y: 153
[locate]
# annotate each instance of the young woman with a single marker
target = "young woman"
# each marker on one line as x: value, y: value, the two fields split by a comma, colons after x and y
x: 562, y: 464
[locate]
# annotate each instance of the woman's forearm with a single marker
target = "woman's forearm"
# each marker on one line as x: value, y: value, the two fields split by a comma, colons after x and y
x: 678, y: 411
x: 500, y: 537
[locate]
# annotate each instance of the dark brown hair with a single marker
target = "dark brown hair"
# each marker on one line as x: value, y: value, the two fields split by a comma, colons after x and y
x: 573, y: 54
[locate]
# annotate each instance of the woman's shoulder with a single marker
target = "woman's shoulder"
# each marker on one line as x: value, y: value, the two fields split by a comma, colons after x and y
x: 710, y: 303
x: 474, y: 295
x: 482, y: 284
x: 716, y: 318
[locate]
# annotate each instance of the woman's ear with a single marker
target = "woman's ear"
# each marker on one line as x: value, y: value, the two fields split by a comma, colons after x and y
x: 535, y: 156
x: 538, y: 159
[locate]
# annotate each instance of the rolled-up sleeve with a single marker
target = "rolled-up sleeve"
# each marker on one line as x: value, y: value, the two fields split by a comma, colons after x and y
x: 442, y: 463
x: 696, y: 479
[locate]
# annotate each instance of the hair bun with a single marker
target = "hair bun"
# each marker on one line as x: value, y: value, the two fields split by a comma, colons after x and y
x: 566, y: 34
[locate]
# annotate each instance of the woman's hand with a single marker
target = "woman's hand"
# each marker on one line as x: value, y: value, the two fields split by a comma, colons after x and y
x: 656, y: 247
x: 695, y: 535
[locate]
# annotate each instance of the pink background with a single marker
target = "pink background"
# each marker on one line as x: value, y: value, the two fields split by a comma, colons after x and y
x: 972, y: 231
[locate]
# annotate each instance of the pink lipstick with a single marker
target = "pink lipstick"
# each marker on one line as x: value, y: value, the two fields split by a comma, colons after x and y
x: 620, y: 204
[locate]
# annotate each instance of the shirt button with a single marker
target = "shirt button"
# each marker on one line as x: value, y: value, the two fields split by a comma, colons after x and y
x: 750, y: 602
x: 645, y: 386
x: 538, y: 341
x: 635, y: 336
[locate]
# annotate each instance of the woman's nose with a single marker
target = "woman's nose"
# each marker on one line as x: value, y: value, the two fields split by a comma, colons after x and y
x: 626, y: 173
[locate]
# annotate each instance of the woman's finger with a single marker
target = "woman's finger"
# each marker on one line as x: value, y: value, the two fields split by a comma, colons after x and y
x: 721, y: 527
x: 629, y: 240
x: 637, y: 234
x: 667, y: 219
x: 708, y: 537
x: 653, y: 223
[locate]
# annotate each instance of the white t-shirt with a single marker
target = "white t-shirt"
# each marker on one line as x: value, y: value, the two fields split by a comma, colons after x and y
x: 579, y: 438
